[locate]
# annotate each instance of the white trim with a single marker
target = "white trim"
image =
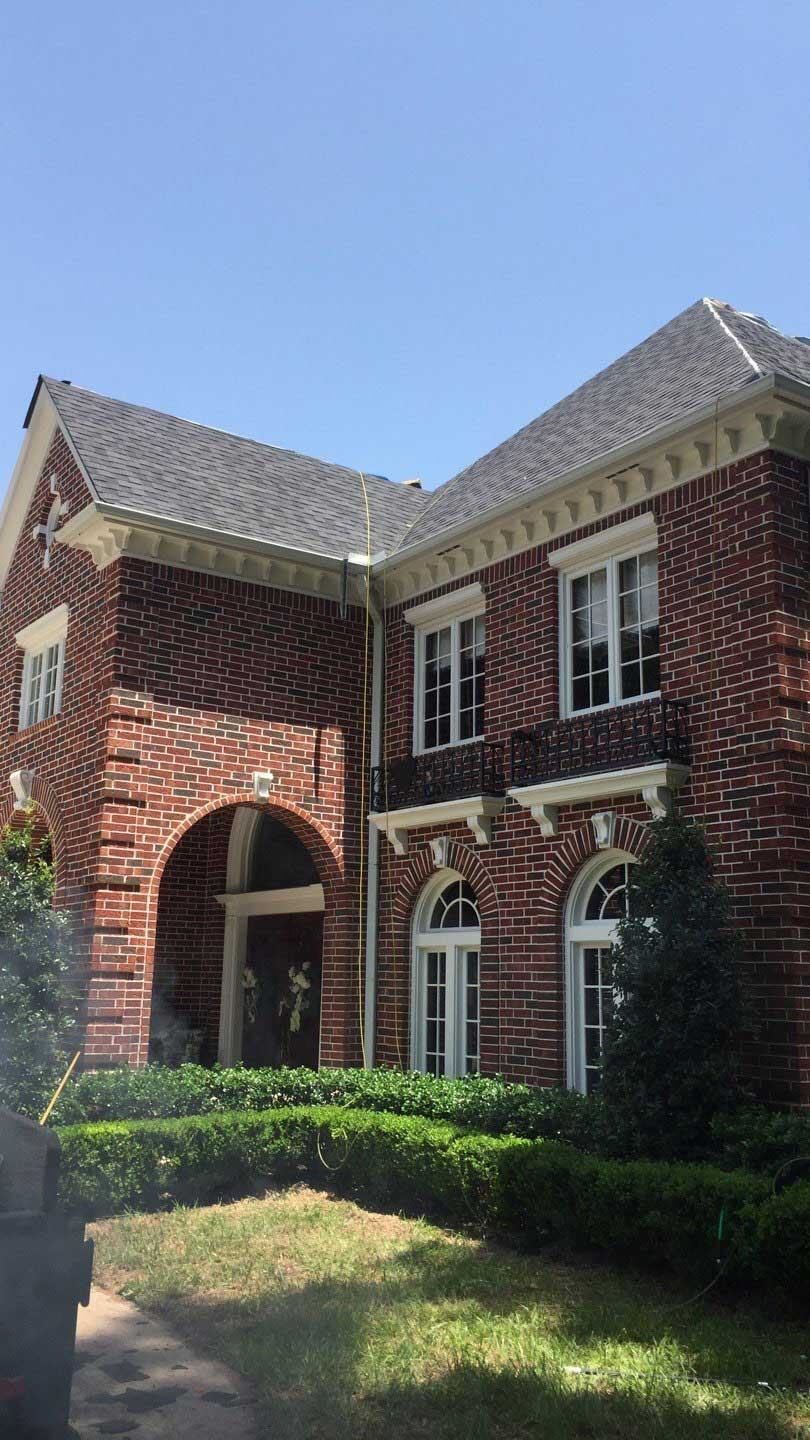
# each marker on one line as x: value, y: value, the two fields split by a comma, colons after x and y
x: 298, y: 900
x: 454, y: 944
x: 457, y: 605
x: 654, y: 782
x: 240, y: 846
x: 44, y: 631
x: 477, y: 810
x: 433, y: 619
x: 710, y: 304
x: 626, y: 542
x: 580, y: 933
x: 639, y: 533
x: 35, y: 640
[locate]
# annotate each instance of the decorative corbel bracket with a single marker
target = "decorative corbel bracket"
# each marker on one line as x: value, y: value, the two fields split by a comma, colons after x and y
x: 658, y: 799
x: 546, y: 817
x: 398, y: 840
x: 440, y: 850
x: 262, y: 780
x: 604, y: 826
x: 481, y: 826
x: 22, y: 782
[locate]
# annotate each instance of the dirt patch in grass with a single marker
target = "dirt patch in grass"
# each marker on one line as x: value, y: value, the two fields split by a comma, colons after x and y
x: 357, y: 1324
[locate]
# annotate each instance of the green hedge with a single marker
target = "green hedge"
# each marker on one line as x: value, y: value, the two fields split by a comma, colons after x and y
x: 751, y: 1138
x: 658, y: 1213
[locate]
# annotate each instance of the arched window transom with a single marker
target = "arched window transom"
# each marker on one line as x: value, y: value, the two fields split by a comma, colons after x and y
x: 456, y: 908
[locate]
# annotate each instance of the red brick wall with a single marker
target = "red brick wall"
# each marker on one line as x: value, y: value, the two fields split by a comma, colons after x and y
x: 177, y: 688
x: 734, y: 618
x: 191, y: 928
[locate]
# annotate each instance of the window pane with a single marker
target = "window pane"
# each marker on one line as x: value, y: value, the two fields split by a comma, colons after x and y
x: 649, y: 567
x: 598, y: 579
x: 581, y: 694
x: 649, y: 639
x: 649, y: 604
x: 630, y: 645
x: 629, y: 609
x: 652, y: 675
x: 600, y: 690
x: 579, y: 592
x: 628, y: 574
x: 631, y: 681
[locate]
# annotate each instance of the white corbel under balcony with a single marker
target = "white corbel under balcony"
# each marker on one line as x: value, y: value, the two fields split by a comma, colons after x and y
x: 477, y: 810
x: 657, y: 783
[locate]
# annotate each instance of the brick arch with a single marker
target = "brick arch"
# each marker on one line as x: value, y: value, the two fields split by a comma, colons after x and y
x: 327, y: 857
x: 394, y: 975
x: 567, y: 859
x: 45, y: 799
x: 422, y: 868
x: 327, y: 854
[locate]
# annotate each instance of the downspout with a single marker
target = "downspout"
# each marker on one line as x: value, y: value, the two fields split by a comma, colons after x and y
x: 373, y: 874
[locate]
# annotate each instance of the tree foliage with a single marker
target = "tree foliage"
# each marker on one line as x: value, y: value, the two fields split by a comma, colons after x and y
x: 37, y: 1010
x: 670, y: 1056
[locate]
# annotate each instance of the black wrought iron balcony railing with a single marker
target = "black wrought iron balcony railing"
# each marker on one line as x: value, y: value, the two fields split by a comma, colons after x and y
x: 614, y: 739
x: 447, y: 774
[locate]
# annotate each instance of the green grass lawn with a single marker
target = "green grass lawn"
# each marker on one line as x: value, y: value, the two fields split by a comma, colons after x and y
x: 357, y: 1324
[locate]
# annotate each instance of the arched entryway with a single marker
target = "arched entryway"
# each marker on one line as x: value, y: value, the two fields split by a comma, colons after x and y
x: 239, y: 940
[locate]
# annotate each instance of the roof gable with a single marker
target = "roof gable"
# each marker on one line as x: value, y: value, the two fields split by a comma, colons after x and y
x: 159, y: 465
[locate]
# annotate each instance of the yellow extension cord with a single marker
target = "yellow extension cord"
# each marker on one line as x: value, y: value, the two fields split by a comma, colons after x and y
x: 363, y: 821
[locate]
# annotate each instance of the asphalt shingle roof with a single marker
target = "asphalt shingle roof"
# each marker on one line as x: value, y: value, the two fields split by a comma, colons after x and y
x: 160, y: 465
x: 157, y: 464
x: 706, y: 352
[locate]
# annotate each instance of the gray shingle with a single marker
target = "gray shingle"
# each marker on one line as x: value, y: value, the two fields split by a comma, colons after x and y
x: 689, y: 362
x: 158, y: 464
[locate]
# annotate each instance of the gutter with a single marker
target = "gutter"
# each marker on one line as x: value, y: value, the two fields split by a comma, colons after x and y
x: 373, y: 850
x: 623, y: 457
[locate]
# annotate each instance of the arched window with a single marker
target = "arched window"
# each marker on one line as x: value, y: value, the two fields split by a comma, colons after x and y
x: 598, y: 901
x: 445, y: 1008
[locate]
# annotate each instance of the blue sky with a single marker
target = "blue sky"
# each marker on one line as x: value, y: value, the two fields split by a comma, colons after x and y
x: 386, y: 234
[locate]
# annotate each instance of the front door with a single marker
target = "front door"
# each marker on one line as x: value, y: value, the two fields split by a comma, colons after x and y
x: 282, y: 998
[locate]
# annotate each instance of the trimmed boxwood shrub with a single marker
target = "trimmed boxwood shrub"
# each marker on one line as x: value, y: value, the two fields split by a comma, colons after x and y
x: 655, y: 1212
x: 751, y: 1138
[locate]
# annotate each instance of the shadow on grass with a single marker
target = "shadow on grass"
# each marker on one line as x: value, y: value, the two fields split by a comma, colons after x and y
x: 418, y: 1348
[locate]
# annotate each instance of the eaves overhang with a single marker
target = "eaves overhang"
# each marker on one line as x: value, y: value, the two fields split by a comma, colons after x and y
x: 111, y: 532
x: 777, y: 411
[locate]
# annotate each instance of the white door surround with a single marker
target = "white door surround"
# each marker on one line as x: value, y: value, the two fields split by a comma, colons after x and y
x: 239, y: 905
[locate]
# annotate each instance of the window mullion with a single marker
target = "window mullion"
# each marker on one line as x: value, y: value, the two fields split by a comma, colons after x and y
x: 455, y: 681
x: 614, y: 644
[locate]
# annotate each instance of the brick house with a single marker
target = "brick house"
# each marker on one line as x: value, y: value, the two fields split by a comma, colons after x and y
x: 410, y: 756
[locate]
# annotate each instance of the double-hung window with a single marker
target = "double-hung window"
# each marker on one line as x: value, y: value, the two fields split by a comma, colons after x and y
x: 609, y: 633
x: 43, y: 644
x: 450, y: 645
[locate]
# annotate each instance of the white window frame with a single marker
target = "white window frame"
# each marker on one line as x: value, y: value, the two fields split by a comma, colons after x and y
x: 35, y: 641
x: 603, y: 551
x: 447, y: 612
x: 579, y: 934
x: 455, y: 944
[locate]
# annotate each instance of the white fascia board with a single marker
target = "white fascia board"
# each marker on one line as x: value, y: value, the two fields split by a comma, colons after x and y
x: 601, y: 785
x: 33, y: 454
x: 43, y: 631
x: 640, y: 531
x: 125, y: 515
x: 611, y: 460
x: 456, y: 605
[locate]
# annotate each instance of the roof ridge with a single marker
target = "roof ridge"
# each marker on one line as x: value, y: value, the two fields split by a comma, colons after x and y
x: 282, y: 450
x: 710, y: 305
